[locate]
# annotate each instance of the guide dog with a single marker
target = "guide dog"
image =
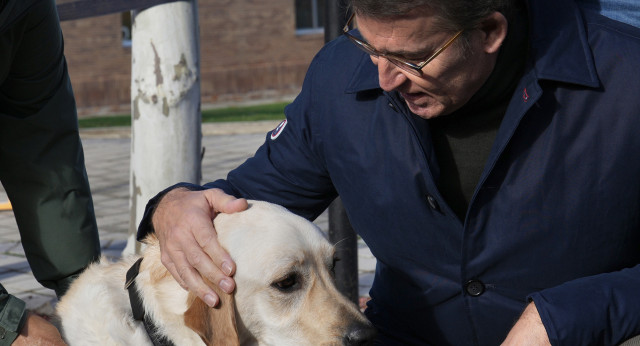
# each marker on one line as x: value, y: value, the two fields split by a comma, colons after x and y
x: 285, y: 294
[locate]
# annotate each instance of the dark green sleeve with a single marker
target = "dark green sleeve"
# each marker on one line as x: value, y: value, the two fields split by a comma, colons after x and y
x: 12, y: 317
x: 41, y: 157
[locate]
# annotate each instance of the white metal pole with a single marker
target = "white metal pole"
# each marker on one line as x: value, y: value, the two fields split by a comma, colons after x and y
x: 165, y: 104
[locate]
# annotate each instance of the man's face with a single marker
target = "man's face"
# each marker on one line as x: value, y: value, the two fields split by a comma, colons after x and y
x: 447, y: 82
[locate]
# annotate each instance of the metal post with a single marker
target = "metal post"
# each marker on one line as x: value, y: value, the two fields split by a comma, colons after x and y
x: 342, y: 234
x: 340, y: 230
x: 165, y: 103
x: 335, y: 17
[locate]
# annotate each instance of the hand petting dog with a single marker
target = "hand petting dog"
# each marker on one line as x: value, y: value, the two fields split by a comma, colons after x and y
x: 189, y: 244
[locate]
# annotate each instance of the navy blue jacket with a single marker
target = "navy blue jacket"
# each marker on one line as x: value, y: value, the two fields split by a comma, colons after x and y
x: 555, y: 216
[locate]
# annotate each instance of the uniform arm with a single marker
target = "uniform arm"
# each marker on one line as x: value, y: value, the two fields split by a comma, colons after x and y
x: 12, y: 317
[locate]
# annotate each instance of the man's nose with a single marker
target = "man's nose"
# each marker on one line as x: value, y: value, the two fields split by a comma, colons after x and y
x: 390, y: 75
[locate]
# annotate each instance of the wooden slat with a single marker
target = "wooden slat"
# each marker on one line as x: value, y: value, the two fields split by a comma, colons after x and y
x: 92, y: 8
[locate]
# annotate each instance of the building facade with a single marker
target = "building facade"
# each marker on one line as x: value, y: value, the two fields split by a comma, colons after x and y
x: 250, y: 50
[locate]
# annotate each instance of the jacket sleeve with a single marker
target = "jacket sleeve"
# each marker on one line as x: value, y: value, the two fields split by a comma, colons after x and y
x: 12, y: 317
x: 289, y: 168
x: 596, y: 310
x: 41, y: 155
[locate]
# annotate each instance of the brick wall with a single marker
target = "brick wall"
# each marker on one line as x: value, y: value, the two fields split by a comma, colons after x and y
x: 249, y: 51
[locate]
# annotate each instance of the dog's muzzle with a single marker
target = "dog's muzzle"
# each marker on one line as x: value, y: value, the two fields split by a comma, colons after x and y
x: 359, y: 334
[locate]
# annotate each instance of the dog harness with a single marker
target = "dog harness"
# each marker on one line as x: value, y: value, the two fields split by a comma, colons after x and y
x: 138, y: 309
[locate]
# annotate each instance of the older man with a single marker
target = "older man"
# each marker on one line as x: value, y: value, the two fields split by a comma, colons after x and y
x: 486, y: 151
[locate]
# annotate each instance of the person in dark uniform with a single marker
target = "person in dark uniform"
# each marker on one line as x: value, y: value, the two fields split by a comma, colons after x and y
x: 41, y: 162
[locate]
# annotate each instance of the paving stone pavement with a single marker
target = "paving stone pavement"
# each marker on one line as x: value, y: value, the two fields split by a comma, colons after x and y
x: 107, y: 156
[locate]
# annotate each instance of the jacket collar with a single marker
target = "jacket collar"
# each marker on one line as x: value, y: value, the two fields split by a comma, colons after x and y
x: 365, y: 76
x: 559, y: 44
x: 559, y: 48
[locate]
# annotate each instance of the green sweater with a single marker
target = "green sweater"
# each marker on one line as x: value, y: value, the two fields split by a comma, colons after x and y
x: 463, y: 140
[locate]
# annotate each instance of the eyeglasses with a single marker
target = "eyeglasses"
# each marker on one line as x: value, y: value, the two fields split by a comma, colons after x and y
x: 405, y: 65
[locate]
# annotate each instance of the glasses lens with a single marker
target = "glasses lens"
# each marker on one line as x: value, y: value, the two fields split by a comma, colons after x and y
x: 369, y: 50
x: 404, y: 66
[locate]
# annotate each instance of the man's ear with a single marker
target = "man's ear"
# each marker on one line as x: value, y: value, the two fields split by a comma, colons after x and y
x: 494, y: 28
x: 216, y: 326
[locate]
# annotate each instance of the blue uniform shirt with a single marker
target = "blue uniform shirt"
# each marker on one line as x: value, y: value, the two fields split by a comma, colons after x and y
x: 555, y: 216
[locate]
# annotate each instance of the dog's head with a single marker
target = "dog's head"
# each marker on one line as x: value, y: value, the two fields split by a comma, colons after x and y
x: 285, y: 293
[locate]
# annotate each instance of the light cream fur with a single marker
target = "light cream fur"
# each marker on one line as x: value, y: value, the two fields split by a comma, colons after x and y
x: 270, y: 246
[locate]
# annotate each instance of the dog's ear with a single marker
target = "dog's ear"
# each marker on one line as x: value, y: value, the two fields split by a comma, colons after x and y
x: 216, y: 326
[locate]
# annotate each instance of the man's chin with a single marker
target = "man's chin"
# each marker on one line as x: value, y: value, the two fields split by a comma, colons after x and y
x: 428, y: 111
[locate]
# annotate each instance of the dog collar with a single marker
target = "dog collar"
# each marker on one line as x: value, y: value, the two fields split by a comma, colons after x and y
x: 138, y: 309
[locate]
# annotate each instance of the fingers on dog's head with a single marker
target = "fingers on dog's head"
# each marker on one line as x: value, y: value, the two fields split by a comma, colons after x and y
x: 223, y: 203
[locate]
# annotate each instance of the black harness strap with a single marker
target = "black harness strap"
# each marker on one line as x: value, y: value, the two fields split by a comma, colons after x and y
x: 138, y: 309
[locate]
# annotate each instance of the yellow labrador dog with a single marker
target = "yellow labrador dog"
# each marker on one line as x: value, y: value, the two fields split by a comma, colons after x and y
x: 284, y: 295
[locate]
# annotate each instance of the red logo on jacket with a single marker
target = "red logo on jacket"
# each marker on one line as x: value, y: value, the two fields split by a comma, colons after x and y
x: 278, y: 130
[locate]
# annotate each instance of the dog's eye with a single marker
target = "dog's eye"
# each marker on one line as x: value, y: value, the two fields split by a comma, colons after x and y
x: 288, y: 283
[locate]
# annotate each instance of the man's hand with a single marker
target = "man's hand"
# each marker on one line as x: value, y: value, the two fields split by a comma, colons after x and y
x: 183, y: 222
x: 38, y: 331
x: 528, y: 330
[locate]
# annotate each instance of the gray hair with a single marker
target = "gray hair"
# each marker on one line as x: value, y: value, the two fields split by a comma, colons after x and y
x: 453, y: 15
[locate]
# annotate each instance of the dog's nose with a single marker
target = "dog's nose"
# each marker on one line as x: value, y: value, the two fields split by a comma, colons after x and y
x: 359, y: 334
